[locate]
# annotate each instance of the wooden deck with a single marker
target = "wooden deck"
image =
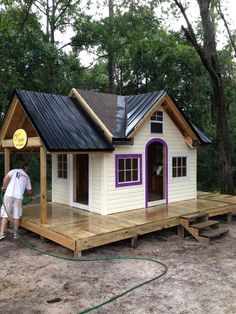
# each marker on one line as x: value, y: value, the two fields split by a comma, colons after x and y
x: 79, y: 230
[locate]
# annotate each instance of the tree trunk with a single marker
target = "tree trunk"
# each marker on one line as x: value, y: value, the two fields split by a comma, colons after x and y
x: 209, y: 58
x: 111, y: 56
x: 218, y: 99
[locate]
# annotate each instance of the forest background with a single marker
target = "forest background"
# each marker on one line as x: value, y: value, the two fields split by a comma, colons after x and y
x: 136, y: 47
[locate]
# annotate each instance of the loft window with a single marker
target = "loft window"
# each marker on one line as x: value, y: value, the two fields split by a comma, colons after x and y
x: 156, y: 122
x: 179, y: 167
x: 128, y: 170
x: 62, y: 166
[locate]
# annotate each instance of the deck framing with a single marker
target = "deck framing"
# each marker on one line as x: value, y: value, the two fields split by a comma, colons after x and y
x: 80, y: 230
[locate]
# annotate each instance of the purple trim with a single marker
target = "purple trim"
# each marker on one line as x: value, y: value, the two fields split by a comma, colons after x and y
x: 154, y: 140
x: 124, y: 156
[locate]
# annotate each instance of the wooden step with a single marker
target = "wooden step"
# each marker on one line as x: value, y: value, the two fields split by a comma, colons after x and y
x: 195, y: 218
x: 195, y: 215
x: 212, y: 233
x: 205, y: 224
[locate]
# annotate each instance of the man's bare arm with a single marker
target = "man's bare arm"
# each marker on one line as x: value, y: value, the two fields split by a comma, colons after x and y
x: 5, y: 182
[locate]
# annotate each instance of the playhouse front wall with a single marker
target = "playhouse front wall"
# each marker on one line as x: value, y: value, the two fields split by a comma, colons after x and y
x: 133, y: 197
x: 106, y: 197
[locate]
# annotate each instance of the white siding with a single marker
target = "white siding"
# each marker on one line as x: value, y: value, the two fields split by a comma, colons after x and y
x: 60, y: 187
x: 133, y: 197
x: 106, y: 198
x: 97, y: 160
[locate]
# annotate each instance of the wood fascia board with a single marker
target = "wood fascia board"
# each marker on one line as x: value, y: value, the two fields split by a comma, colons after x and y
x: 32, y: 142
x: 148, y: 114
x: 8, y: 117
x: 180, y: 119
x: 76, y: 94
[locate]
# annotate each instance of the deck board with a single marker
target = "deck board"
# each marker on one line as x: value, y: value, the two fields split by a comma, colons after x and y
x: 79, y: 229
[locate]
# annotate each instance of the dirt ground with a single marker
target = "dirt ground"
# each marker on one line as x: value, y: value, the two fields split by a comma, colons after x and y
x: 201, y: 278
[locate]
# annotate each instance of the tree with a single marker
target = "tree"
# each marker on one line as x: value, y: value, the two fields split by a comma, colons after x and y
x: 59, y: 14
x: 210, y: 59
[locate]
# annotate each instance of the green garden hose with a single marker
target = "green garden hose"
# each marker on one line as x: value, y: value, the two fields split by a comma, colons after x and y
x: 165, y: 268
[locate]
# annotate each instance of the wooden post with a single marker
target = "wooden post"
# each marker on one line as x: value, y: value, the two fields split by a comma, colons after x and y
x: 134, y: 242
x: 43, y: 185
x: 229, y: 217
x: 6, y: 160
x: 180, y: 231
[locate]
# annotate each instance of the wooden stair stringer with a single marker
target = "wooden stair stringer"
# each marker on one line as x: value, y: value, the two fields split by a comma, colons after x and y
x: 201, y: 228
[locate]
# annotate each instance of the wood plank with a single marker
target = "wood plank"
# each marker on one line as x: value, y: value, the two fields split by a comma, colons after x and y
x: 6, y: 160
x: 32, y: 142
x: 43, y: 185
x: 75, y: 93
x: 48, y: 234
x: 98, y: 240
x: 8, y: 118
x: 86, y: 229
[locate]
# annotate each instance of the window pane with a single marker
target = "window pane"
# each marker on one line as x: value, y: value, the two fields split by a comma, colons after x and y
x: 174, y: 161
x: 128, y: 163
x: 135, y: 163
x: 135, y: 175
x: 153, y: 117
x: 121, y: 176
x: 184, y: 161
x: 174, y: 172
x: 156, y: 127
x: 179, y: 172
x: 121, y: 164
x: 128, y: 176
x: 159, y: 116
x: 184, y: 172
x: 179, y: 161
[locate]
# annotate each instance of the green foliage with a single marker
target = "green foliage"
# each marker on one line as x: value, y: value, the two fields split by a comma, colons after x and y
x: 147, y: 57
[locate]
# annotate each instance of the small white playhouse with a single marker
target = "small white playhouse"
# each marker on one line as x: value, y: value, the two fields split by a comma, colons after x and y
x: 113, y: 153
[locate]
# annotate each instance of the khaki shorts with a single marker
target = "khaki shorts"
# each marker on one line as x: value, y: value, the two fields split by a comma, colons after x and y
x: 13, y: 207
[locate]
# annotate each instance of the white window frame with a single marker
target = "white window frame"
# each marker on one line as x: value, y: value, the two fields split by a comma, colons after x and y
x: 179, y: 179
x: 63, y: 169
x: 157, y: 121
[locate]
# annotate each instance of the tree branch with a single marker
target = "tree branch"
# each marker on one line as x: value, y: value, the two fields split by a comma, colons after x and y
x: 219, y: 10
x: 191, y: 37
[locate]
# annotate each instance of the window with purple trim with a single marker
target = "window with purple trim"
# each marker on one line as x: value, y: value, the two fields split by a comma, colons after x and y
x: 128, y: 170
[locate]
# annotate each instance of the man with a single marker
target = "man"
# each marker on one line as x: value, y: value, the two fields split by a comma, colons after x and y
x: 14, y: 184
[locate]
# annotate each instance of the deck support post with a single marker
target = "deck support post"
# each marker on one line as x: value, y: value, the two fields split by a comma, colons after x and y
x: 134, y: 242
x: 77, y: 254
x: 6, y: 160
x: 229, y: 217
x: 180, y: 231
x: 43, y: 185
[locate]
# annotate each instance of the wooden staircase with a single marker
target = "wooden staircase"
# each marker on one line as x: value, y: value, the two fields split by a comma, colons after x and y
x: 200, y: 227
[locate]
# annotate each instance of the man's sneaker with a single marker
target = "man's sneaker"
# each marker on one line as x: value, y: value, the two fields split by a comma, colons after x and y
x: 15, y: 237
x: 2, y: 236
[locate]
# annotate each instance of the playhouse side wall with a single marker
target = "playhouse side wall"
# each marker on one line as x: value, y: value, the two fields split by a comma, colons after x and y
x: 60, y: 187
x: 133, y: 197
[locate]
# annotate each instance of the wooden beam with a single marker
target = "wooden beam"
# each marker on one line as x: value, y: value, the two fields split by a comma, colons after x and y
x: 75, y: 93
x: 6, y: 160
x: 32, y: 142
x: 8, y: 117
x: 43, y: 185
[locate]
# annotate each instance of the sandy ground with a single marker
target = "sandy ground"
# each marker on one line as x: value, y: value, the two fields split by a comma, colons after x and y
x: 201, y: 278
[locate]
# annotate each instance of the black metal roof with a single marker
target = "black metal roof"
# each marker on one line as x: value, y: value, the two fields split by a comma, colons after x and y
x: 121, y: 114
x: 137, y: 106
x: 62, y: 123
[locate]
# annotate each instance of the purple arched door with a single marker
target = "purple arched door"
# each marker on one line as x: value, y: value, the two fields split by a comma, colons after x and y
x: 156, y: 172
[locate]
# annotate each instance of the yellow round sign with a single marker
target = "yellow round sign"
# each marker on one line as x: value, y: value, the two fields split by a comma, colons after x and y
x: 20, y: 139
